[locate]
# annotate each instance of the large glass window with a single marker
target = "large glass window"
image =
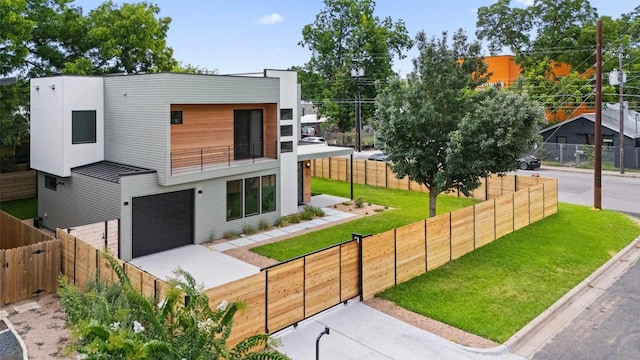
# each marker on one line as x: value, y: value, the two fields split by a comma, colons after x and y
x: 251, y: 196
x: 268, y: 193
x: 234, y: 199
x: 83, y: 127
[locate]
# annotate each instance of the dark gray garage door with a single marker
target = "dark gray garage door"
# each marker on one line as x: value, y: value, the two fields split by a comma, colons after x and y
x: 162, y: 222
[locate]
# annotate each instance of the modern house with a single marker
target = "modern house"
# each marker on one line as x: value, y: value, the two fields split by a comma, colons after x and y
x: 178, y: 158
x: 581, y: 130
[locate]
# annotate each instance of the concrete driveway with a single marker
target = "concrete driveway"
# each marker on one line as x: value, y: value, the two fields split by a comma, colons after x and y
x: 208, y: 267
x: 357, y: 331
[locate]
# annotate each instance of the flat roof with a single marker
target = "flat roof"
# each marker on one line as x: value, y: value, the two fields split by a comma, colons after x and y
x: 319, y: 151
x: 110, y: 171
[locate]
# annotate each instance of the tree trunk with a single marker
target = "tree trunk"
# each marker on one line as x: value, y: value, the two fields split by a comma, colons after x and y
x: 432, y: 203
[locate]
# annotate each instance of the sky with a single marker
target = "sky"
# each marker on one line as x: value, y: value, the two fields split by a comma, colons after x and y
x: 236, y: 36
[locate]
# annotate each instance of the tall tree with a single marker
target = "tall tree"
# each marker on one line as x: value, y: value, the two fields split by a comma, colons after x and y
x: 426, y: 119
x: 347, y: 35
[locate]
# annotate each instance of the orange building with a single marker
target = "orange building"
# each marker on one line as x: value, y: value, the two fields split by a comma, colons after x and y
x: 504, y: 72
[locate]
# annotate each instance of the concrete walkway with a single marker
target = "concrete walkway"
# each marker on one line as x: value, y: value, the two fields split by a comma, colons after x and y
x: 320, y: 201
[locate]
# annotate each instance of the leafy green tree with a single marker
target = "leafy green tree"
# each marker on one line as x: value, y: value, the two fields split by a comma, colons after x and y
x: 427, y: 120
x: 13, y: 117
x: 346, y: 35
x: 114, y: 321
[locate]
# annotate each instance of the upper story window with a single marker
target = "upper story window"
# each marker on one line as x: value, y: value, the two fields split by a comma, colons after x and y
x: 286, y: 146
x: 286, y: 114
x: 50, y: 182
x: 286, y: 130
x: 83, y: 127
x: 176, y: 117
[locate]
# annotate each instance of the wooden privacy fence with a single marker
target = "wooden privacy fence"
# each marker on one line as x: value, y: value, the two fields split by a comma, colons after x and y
x: 100, y: 235
x: 17, y: 185
x: 378, y: 173
x: 82, y: 262
x: 289, y: 292
x: 29, y: 271
x: 15, y: 233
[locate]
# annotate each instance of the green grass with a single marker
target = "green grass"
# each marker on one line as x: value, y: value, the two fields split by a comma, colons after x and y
x: 496, y: 290
x: 22, y: 209
x: 408, y: 207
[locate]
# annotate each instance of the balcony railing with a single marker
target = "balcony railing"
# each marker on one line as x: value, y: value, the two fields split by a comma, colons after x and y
x: 203, y: 159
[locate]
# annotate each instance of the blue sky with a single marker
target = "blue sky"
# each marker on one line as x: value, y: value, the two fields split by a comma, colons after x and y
x: 236, y: 36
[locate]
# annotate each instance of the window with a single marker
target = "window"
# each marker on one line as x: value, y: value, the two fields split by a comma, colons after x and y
x: 83, y: 127
x: 50, y: 182
x: 247, y: 134
x: 268, y: 193
x: 286, y: 130
x: 607, y: 141
x: 251, y: 196
x: 286, y: 114
x: 286, y: 146
x: 176, y: 117
x: 561, y: 139
x: 637, y: 142
x: 234, y: 199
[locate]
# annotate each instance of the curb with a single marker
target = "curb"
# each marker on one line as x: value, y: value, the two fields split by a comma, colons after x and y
x: 632, y: 175
x: 537, y: 332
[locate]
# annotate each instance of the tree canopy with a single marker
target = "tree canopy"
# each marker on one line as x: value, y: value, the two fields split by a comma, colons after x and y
x: 439, y: 131
x: 551, y: 32
x: 347, y: 35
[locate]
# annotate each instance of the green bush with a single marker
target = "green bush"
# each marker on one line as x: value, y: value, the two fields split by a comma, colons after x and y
x: 263, y: 225
x: 359, y: 202
x: 231, y: 234
x: 293, y: 219
x: 114, y: 321
x: 249, y: 229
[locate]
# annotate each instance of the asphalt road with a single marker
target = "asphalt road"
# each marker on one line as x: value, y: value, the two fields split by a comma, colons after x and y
x: 608, y: 329
x: 618, y: 193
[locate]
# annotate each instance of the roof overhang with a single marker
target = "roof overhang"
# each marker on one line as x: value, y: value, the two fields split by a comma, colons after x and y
x: 310, y: 152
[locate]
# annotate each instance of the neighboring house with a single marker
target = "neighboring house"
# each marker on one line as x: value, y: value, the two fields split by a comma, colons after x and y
x: 310, y: 122
x: 178, y: 158
x: 581, y: 129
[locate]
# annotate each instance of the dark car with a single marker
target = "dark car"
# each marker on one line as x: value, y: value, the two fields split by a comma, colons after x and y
x: 529, y: 162
x: 379, y: 156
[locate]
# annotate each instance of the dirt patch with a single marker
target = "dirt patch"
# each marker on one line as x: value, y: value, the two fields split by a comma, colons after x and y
x: 43, y: 330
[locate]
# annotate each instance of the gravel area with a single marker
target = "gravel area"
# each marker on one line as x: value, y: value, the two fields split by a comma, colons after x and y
x: 43, y: 330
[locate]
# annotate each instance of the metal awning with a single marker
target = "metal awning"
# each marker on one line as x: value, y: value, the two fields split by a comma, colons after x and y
x: 310, y: 152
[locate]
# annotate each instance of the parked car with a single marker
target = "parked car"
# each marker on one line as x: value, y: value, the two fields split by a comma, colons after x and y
x: 379, y: 156
x: 313, y: 140
x: 529, y: 162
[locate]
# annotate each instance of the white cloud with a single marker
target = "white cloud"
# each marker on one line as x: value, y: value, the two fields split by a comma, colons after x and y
x: 270, y: 19
x: 525, y: 2
x: 474, y: 10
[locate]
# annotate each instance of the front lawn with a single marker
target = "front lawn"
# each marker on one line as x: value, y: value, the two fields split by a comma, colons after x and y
x: 22, y: 209
x: 496, y: 290
x: 408, y: 207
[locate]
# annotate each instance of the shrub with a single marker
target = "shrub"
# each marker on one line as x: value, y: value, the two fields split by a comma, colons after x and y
x: 280, y: 221
x: 359, y: 202
x: 114, y: 321
x: 293, y: 218
x: 263, y: 225
x: 231, y: 234
x: 249, y: 229
x: 307, y: 213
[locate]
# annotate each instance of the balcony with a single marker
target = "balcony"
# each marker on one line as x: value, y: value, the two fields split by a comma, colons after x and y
x: 212, y: 158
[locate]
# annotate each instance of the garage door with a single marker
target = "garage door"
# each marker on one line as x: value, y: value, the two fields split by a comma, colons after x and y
x: 162, y: 222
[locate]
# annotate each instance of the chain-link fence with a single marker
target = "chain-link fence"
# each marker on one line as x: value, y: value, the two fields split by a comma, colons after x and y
x: 582, y: 156
x: 348, y: 139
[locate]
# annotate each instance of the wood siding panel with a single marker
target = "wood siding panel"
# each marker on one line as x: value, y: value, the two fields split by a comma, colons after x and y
x: 550, y: 197
x: 377, y: 263
x: 410, y: 251
x: 536, y: 203
x: 484, y: 223
x: 462, y: 232
x: 504, y: 215
x: 350, y: 267
x: 286, y: 295
x: 322, y: 281
x: 438, y: 241
x: 521, y: 209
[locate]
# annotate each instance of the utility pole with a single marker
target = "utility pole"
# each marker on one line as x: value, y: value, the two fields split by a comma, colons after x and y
x: 597, y: 159
x: 621, y: 101
x: 357, y: 73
